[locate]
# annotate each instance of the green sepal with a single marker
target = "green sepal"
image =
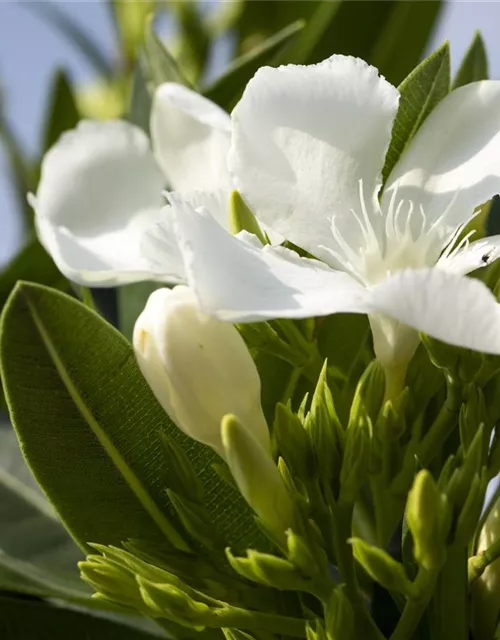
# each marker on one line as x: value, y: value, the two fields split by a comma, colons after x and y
x: 472, y: 415
x: 241, y: 217
x: 263, y: 337
x: 391, y: 422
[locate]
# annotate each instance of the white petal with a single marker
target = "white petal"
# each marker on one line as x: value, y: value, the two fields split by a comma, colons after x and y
x: 160, y: 248
x: 190, y: 137
x: 237, y: 281
x: 458, y: 310
x: 454, y: 160
x: 100, y: 188
x: 303, y: 139
x: 216, y: 202
x: 474, y: 256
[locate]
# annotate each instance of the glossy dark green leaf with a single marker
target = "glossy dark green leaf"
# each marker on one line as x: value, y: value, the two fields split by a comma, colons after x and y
x: 401, y: 42
x: 90, y: 428
x: 70, y: 29
x: 227, y: 89
x: 474, y: 65
x: 62, y: 112
x: 31, y: 263
x: 422, y: 90
x: 31, y: 620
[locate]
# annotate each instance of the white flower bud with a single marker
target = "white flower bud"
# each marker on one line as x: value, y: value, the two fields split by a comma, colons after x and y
x: 199, y: 368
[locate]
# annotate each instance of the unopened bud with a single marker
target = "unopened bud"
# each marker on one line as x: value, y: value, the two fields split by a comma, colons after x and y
x: 424, y: 513
x: 167, y: 601
x: 369, y: 393
x: 257, y: 477
x: 199, y: 368
x: 389, y: 573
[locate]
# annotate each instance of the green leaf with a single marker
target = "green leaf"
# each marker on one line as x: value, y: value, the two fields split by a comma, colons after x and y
x: 88, y: 426
x: 193, y: 43
x: 28, y: 620
x: 75, y: 35
x: 421, y: 92
x: 31, y: 263
x: 159, y: 65
x: 400, y: 43
x: 316, y: 28
x: 227, y: 89
x: 62, y: 112
x: 474, y: 65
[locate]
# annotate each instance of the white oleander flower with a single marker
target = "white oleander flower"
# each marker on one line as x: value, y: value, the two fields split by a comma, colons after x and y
x: 308, y: 147
x: 100, y: 192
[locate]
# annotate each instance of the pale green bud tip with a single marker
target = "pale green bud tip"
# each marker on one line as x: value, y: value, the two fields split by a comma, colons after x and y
x: 256, y: 476
x: 198, y: 367
x: 241, y: 217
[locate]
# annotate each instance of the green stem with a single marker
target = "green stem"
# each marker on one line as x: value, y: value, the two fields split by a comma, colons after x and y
x: 342, y: 525
x: 478, y: 564
x: 443, y: 425
x: 415, y: 608
x: 450, y: 610
x: 256, y: 621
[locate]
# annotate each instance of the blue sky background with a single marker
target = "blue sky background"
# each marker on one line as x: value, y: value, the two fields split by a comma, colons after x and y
x: 30, y: 52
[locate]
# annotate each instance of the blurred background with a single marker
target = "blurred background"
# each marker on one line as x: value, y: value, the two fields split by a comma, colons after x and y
x: 83, y: 38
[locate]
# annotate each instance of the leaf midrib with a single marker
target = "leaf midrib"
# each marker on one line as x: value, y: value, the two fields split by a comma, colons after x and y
x: 119, y: 462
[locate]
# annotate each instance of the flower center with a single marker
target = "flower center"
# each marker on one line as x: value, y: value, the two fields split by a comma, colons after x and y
x: 372, y: 244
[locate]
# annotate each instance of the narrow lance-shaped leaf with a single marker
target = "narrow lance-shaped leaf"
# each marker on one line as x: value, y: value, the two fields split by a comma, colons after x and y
x: 62, y: 112
x: 420, y: 93
x: 227, y: 89
x: 474, y: 66
x: 90, y: 429
x: 402, y: 39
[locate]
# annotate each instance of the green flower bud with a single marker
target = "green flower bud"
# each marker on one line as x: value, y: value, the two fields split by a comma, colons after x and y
x: 339, y: 616
x: 391, y: 423
x: 369, y: 394
x: 293, y: 442
x: 424, y: 514
x: 356, y: 461
x: 199, y: 368
x: 257, y: 477
x: 325, y: 431
x: 111, y: 580
x: 167, y: 601
x: 241, y: 217
x: 382, y: 568
x: 317, y: 633
x: 270, y: 571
